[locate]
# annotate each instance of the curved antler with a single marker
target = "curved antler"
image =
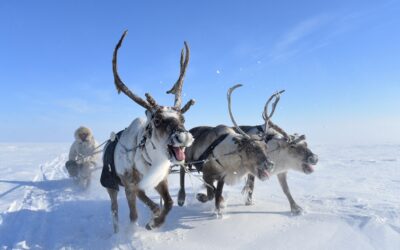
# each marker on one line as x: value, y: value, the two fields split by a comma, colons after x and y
x: 121, y: 87
x: 177, y: 88
x: 230, y: 90
x: 267, y: 118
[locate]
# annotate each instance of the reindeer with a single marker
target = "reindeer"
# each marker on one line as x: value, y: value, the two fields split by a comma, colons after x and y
x: 146, y: 149
x: 227, y: 155
x: 288, y: 152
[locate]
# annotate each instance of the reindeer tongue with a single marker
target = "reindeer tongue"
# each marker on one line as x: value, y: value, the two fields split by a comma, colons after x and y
x: 179, y: 153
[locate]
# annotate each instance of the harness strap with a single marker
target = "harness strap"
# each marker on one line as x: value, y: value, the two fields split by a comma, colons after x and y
x: 109, y: 177
x: 217, y: 160
x: 260, y: 129
x: 208, y: 151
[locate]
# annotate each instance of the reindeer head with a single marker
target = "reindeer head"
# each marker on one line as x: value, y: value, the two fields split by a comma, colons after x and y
x: 251, y: 149
x: 293, y: 153
x: 288, y: 151
x: 164, y: 125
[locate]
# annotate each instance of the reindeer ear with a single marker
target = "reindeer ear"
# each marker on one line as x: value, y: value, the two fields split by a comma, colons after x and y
x: 148, y: 115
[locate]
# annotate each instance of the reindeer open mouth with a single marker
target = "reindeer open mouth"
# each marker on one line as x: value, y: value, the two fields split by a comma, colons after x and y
x: 311, y: 161
x: 179, y: 140
x: 177, y: 152
x: 307, y: 168
x: 263, y: 174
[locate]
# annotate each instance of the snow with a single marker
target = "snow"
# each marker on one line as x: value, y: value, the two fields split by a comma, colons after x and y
x: 352, y: 201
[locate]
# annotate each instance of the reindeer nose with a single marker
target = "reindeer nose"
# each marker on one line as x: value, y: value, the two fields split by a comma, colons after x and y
x: 180, y: 137
x: 313, y: 159
x: 183, y: 137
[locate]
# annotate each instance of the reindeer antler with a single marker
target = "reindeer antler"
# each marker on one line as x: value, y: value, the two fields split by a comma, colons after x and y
x: 177, y: 88
x: 121, y: 87
x: 230, y: 90
x: 267, y: 118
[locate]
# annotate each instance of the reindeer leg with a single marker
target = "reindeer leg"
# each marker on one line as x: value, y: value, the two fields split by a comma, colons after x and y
x: 114, y: 208
x: 219, y: 200
x: 162, y: 189
x: 150, y: 203
x: 295, y: 209
x: 210, y: 189
x: 248, y: 189
x: 182, y: 193
x: 131, y: 197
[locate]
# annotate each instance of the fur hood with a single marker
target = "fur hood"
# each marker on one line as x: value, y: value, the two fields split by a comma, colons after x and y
x: 83, y: 129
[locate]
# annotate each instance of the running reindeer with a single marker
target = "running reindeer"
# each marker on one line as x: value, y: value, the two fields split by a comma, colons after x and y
x: 289, y: 152
x: 225, y: 156
x: 142, y: 154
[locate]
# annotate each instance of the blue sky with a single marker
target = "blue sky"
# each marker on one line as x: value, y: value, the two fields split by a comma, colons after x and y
x: 338, y: 61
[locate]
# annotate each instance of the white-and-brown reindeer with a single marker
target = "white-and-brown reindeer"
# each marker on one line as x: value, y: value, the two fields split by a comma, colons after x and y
x: 146, y: 149
x: 287, y: 152
x: 227, y: 156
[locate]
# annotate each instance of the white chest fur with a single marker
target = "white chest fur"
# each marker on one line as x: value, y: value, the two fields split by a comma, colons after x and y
x: 128, y: 156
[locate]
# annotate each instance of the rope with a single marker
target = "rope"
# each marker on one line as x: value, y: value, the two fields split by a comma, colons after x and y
x: 186, y: 169
x: 189, y: 172
x: 83, y: 157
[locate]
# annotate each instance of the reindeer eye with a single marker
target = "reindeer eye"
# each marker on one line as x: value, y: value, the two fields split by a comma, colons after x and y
x: 157, y: 122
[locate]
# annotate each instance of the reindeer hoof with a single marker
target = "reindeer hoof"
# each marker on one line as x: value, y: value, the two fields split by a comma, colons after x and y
x: 202, y: 197
x: 219, y: 214
x: 297, y: 210
x: 181, y: 197
x: 149, y: 226
x: 181, y: 202
x: 155, y: 223
x: 152, y: 224
x: 249, y: 202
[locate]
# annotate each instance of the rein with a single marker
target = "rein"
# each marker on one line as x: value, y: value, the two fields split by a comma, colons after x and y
x: 82, y: 157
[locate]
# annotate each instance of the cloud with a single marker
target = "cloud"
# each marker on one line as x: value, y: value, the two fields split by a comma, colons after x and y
x: 288, y: 45
x: 320, y: 30
x: 301, y: 30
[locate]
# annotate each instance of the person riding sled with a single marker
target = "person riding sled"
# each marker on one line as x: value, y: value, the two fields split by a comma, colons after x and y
x: 82, y: 157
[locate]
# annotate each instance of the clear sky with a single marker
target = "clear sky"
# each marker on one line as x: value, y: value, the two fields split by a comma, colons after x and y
x: 339, y: 62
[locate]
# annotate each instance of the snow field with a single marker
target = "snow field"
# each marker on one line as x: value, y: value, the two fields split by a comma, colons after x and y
x: 351, y: 202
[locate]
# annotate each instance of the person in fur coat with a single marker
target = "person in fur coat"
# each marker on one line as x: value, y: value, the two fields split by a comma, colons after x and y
x: 82, y: 156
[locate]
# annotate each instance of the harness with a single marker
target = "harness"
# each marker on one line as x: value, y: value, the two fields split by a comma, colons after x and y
x: 109, y: 177
x: 260, y: 129
x: 203, y: 157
